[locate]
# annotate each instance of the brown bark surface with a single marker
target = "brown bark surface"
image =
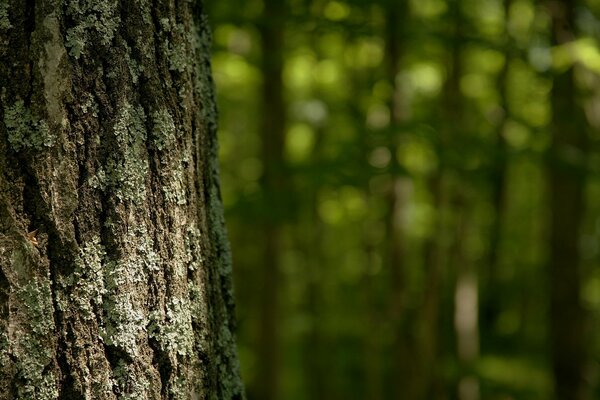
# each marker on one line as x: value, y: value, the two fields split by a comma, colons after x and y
x: 114, y: 263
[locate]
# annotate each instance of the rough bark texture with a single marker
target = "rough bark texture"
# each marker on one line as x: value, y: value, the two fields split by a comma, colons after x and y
x: 114, y: 263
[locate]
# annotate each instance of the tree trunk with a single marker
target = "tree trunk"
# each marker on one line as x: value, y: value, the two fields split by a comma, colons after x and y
x: 405, y: 371
x: 273, y: 138
x: 492, y: 295
x: 114, y: 263
x: 566, y: 201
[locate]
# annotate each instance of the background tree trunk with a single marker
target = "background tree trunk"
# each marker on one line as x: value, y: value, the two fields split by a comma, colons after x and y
x: 114, y: 262
x: 567, y: 180
x: 273, y: 138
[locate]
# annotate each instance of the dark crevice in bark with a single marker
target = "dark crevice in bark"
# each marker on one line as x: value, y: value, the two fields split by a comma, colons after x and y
x: 67, y: 388
x: 29, y: 27
x: 162, y: 363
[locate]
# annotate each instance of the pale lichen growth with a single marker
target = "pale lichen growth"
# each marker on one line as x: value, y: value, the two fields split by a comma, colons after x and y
x: 163, y: 129
x: 127, y: 173
x: 176, y: 49
x: 98, y: 18
x: 24, y: 130
x: 179, y: 390
x: 173, y: 331
x: 192, y: 241
x: 4, y: 348
x: 174, y: 184
x: 130, y: 383
x: 4, y: 20
x: 126, y: 319
x: 126, y: 322
x: 30, y: 348
x: 87, y: 280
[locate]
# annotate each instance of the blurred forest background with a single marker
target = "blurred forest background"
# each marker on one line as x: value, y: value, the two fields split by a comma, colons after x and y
x: 411, y: 191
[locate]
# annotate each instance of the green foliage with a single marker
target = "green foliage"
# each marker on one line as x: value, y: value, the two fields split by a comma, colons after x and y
x: 398, y: 175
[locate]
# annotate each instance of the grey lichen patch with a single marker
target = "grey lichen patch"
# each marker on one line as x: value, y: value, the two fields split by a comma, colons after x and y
x: 126, y: 173
x: 130, y: 383
x: 179, y: 390
x: 127, y: 177
x: 176, y: 48
x: 24, y: 130
x: 173, y: 331
x: 163, y: 129
x: 125, y: 312
x: 87, y: 280
x: 30, y: 343
x: 174, y: 184
x: 94, y: 20
x: 129, y: 127
x: 192, y: 247
x: 4, y: 20
x: 5, y: 359
x: 145, y: 258
x: 126, y: 322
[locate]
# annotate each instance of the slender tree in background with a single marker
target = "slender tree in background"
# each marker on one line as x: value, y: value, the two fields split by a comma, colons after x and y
x: 406, y: 371
x: 463, y: 272
x: 115, y: 266
x: 567, y: 179
x: 491, y: 302
x: 272, y: 141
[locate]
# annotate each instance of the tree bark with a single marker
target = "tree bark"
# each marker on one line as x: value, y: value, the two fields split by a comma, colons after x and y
x: 114, y: 262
